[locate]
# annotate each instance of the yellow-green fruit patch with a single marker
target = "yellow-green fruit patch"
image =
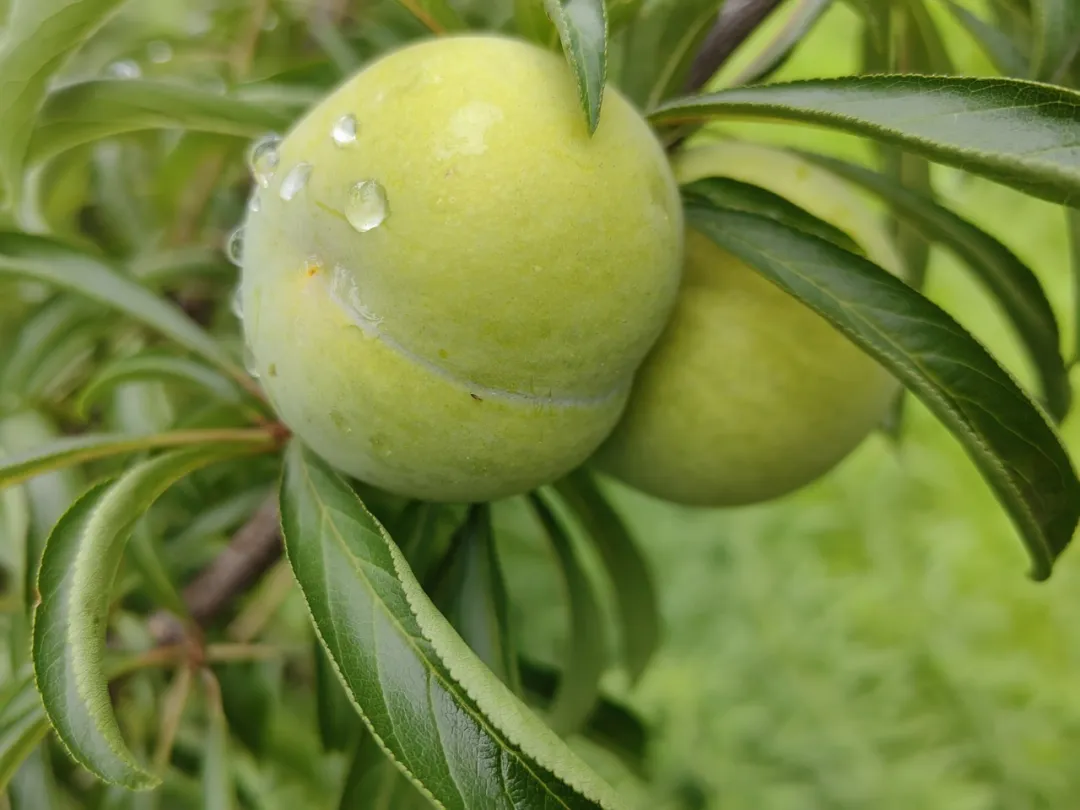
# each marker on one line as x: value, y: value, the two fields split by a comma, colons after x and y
x: 454, y: 300
x: 749, y: 394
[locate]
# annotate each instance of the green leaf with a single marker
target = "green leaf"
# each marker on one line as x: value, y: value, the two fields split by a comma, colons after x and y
x: 52, y: 262
x: 155, y: 577
x: 438, y: 15
x: 338, y: 722
x: 662, y: 44
x: 33, y: 787
x: 582, y: 27
x: 1072, y: 221
x: 448, y: 723
x: 1005, y: 434
x: 724, y: 192
x: 1012, y: 283
x: 925, y: 48
x: 777, y: 50
x: 87, y: 447
x: 23, y: 725
x: 103, y: 108
x: 249, y: 693
x: 36, y: 40
x: 1005, y: 52
x: 155, y: 365
x: 218, y: 792
x: 81, y: 558
x: 632, y: 583
x: 373, y: 782
x: 586, y: 654
x: 472, y: 595
x: 43, y: 336
x: 611, y: 725
x: 1056, y: 26
x: 1015, y: 132
x: 532, y: 23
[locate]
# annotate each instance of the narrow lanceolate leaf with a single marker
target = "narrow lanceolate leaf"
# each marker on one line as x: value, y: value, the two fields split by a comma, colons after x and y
x: 1056, y: 26
x: 36, y: 40
x: 73, y: 450
x: 447, y: 722
x: 93, y: 110
x: 438, y: 15
x: 723, y: 192
x: 582, y: 27
x: 1012, y: 283
x: 1072, y: 221
x: 1006, y: 53
x: 472, y: 595
x: 632, y: 583
x: 586, y: 656
x: 1018, y: 133
x: 157, y: 366
x: 81, y: 559
x: 924, y: 41
x: 662, y: 45
x: 1006, y: 435
x: 52, y: 262
x: 776, y: 52
x: 218, y: 792
x: 23, y: 724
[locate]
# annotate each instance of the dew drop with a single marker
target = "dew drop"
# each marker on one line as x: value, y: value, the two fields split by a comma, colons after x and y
x: 344, y: 290
x: 249, y: 362
x: 124, y: 69
x: 263, y: 158
x: 295, y: 181
x: 344, y: 131
x: 234, y: 248
x: 159, y: 51
x: 254, y: 204
x: 236, y: 303
x: 367, y: 206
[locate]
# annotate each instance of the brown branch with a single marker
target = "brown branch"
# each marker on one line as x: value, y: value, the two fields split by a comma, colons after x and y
x: 737, y: 21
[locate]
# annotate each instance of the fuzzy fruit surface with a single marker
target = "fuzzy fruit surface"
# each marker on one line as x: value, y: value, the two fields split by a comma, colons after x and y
x: 749, y: 394
x: 466, y: 325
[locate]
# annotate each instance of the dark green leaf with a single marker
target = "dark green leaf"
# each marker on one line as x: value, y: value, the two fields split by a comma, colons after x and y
x: 248, y: 694
x: 586, y: 653
x: 37, y: 38
x: 1019, y: 133
x: 776, y: 52
x: 338, y: 723
x: 925, y: 48
x: 1056, y: 26
x: 445, y: 719
x: 1006, y: 435
x: 78, y: 449
x: 635, y: 594
x: 472, y: 595
x: 582, y: 27
x: 218, y: 792
x: 143, y: 553
x: 1012, y: 283
x: 80, y: 562
x: 724, y: 192
x: 22, y: 726
x: 663, y: 42
x: 154, y: 365
x: 1005, y: 52
x: 94, y: 110
x: 437, y: 15
x: 42, y: 259
x: 373, y: 782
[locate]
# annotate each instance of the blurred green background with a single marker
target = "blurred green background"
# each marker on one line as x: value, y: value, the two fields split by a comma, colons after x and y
x: 873, y: 640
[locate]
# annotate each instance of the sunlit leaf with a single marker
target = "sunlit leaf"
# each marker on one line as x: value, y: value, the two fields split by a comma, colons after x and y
x: 586, y: 650
x: 632, y: 583
x: 1015, y: 132
x: 1012, y: 283
x: 1005, y: 434
x: 81, y: 559
x: 38, y: 37
x: 445, y: 719
x: 582, y: 27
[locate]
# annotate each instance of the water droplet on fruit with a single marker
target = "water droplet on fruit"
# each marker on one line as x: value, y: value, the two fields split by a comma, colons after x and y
x: 236, y: 303
x: 344, y: 290
x: 295, y: 181
x: 124, y: 69
x: 263, y: 158
x: 367, y: 206
x: 254, y: 204
x: 249, y: 362
x: 159, y: 51
x: 234, y: 248
x: 344, y: 131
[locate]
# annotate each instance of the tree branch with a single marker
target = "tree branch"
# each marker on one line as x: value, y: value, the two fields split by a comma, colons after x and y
x: 737, y: 21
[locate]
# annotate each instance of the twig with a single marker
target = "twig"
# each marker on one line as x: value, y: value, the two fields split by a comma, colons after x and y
x: 275, y: 589
x: 737, y: 21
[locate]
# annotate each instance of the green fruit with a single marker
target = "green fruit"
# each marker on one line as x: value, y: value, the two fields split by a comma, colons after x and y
x: 749, y: 394
x: 453, y: 305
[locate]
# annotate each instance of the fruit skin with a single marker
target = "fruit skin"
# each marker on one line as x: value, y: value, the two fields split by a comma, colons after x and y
x: 749, y: 394
x: 499, y: 312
